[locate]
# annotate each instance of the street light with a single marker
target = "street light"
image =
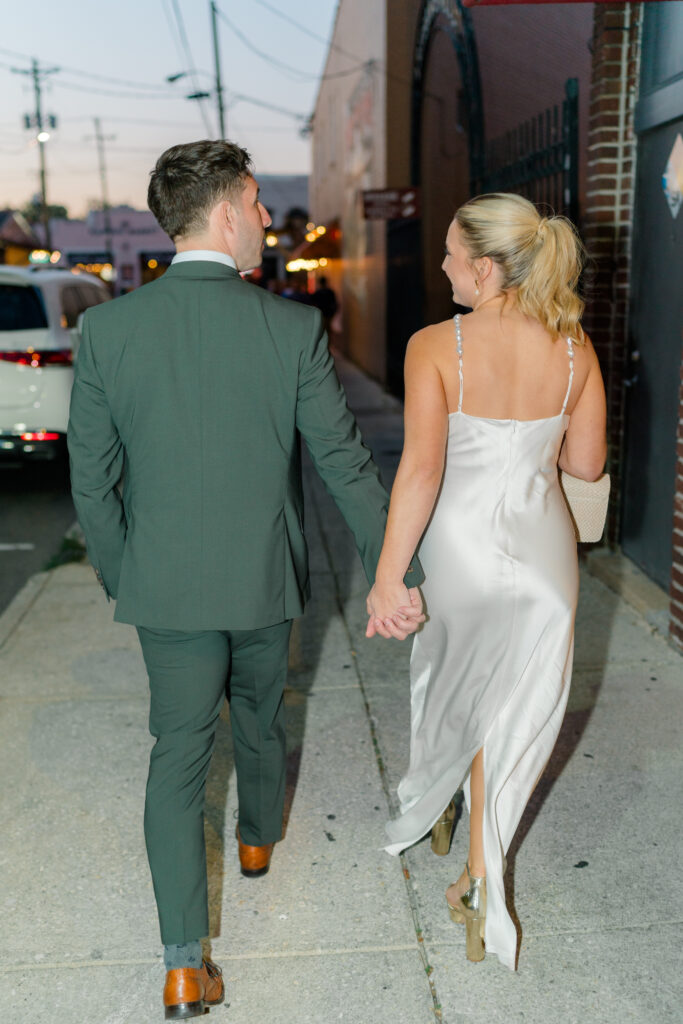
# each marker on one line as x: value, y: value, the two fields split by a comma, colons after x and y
x: 200, y: 95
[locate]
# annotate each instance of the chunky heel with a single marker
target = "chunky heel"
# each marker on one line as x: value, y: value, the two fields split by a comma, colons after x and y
x: 470, y: 910
x: 442, y: 832
x: 474, y: 938
x: 183, y: 1010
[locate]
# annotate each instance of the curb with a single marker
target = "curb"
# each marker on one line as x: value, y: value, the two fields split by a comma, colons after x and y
x: 20, y: 604
x: 24, y: 599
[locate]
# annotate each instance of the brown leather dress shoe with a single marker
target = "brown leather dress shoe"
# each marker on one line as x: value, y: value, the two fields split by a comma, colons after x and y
x: 190, y: 990
x: 254, y: 860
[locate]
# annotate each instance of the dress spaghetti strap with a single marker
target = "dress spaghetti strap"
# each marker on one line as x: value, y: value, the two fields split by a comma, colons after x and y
x: 458, y: 337
x: 570, y: 350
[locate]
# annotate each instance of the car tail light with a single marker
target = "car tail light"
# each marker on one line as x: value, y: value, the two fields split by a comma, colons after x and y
x: 33, y: 357
x: 40, y: 435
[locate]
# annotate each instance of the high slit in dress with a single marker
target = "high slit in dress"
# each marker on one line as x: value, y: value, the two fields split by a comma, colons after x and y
x: 492, y: 665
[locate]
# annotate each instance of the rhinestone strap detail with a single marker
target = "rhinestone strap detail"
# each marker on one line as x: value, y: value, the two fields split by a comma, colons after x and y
x: 458, y: 338
x: 570, y: 350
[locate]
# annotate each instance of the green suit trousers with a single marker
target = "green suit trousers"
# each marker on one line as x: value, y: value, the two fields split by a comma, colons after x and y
x: 190, y: 676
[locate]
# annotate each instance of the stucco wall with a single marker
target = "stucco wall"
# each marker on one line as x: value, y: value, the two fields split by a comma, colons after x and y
x: 361, y: 141
x: 348, y: 157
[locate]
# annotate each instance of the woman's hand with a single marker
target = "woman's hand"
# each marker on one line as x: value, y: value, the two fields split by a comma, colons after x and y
x: 393, y: 610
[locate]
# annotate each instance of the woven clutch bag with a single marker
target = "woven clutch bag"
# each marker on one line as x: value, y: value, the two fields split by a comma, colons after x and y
x: 587, y: 502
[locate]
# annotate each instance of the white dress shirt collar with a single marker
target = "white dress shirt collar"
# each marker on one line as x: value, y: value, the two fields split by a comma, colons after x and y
x: 212, y: 255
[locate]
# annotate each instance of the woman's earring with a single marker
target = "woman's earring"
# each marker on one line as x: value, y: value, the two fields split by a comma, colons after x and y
x: 476, y: 287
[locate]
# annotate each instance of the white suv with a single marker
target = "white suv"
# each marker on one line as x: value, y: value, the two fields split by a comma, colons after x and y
x: 40, y: 313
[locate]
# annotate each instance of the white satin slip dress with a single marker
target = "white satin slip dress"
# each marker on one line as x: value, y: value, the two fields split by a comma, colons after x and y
x: 491, y: 667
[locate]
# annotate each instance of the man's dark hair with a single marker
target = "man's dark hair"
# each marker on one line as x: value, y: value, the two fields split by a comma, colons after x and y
x: 188, y: 180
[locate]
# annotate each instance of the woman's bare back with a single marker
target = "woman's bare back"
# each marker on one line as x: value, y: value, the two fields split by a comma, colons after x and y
x: 512, y: 368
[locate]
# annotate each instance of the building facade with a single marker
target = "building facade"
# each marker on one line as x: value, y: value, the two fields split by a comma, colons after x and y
x: 124, y: 246
x: 447, y: 81
x: 634, y: 232
x: 411, y: 94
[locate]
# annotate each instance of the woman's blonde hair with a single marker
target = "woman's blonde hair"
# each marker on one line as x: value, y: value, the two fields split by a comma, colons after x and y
x: 541, y: 257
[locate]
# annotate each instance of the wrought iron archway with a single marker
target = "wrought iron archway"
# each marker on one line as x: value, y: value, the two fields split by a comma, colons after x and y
x: 460, y: 31
x: 405, y: 295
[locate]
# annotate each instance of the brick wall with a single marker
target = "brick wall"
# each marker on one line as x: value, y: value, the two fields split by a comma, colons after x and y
x: 609, y: 212
x: 676, y: 609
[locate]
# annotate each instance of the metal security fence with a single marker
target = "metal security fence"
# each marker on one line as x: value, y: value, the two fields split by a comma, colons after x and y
x: 539, y: 158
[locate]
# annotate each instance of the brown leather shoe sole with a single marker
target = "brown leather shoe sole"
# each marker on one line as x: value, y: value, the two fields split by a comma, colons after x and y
x: 204, y: 988
x: 254, y: 860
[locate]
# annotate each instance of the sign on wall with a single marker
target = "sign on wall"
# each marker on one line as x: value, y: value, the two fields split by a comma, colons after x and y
x: 672, y: 179
x: 391, y: 203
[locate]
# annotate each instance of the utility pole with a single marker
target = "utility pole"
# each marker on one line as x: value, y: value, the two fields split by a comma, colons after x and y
x: 36, y: 121
x: 217, y: 64
x: 101, y: 139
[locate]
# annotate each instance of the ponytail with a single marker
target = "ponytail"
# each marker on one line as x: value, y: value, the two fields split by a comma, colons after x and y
x: 540, y: 257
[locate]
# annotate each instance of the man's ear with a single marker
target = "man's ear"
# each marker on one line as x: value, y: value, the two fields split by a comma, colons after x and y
x: 223, y: 215
x: 228, y: 213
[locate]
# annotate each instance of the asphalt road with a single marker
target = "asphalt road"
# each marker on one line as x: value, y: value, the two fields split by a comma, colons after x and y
x: 35, y: 512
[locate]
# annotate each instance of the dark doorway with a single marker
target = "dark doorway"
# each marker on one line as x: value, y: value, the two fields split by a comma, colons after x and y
x: 656, y: 314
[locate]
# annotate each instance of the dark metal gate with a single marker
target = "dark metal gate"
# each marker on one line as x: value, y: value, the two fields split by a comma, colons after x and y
x: 656, y: 313
x: 539, y: 159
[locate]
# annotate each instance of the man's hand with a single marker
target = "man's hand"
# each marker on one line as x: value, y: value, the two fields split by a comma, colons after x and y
x: 393, y: 611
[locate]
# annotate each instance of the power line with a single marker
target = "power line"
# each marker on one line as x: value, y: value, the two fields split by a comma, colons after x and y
x: 89, y: 74
x: 308, y: 31
x: 173, y: 29
x: 136, y: 120
x: 238, y: 96
x: 94, y: 90
x: 376, y: 64
x: 288, y: 69
x: 292, y: 72
x: 190, y: 61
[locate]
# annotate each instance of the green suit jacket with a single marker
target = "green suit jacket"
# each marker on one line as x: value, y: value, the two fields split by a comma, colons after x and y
x: 188, y: 401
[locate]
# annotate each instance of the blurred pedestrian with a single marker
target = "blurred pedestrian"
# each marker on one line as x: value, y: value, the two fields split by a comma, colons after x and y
x: 325, y: 299
x: 296, y: 291
x: 198, y: 385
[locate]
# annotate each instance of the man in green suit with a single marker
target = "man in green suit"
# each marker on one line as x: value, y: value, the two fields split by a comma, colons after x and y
x: 189, y: 398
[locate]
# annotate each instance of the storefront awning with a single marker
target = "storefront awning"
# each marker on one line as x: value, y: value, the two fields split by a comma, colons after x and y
x: 324, y: 246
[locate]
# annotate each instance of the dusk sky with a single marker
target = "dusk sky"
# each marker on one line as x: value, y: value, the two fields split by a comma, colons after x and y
x: 133, y: 46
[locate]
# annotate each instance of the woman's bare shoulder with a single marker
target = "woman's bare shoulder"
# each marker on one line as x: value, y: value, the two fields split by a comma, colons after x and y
x: 428, y: 340
x: 584, y: 351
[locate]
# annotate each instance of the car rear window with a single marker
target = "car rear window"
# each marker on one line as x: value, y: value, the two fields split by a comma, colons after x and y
x: 21, y: 308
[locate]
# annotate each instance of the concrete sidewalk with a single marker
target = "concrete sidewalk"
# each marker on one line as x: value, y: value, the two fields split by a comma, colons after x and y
x: 337, y: 931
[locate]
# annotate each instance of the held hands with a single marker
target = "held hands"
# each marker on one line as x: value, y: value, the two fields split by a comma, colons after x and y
x: 393, y: 610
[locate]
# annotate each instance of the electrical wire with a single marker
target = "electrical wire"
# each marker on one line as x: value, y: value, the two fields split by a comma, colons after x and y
x: 89, y: 74
x: 190, y: 60
x: 134, y: 120
x: 291, y: 72
x: 308, y: 31
x: 376, y: 64
x: 94, y: 90
x: 242, y: 97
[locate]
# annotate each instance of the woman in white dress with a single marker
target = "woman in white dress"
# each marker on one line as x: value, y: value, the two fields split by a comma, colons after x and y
x: 493, y: 404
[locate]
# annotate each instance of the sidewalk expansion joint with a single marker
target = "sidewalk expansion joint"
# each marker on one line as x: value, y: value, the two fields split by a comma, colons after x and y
x: 410, y: 891
x: 275, y: 954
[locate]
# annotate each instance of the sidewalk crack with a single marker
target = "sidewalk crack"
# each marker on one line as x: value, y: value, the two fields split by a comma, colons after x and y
x: 391, y: 804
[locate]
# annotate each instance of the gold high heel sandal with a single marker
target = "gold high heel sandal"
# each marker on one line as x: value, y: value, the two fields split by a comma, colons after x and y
x: 442, y: 831
x: 471, y: 910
